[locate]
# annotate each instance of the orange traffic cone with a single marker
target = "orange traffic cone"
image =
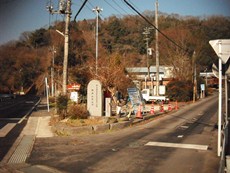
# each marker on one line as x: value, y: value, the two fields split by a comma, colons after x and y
x: 169, y: 107
x: 152, y: 109
x: 162, y: 108
x: 139, y: 114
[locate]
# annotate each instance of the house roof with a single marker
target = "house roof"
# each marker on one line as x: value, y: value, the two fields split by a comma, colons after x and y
x: 145, y: 69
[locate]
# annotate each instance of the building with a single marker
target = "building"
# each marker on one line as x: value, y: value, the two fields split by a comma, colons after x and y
x: 141, y: 79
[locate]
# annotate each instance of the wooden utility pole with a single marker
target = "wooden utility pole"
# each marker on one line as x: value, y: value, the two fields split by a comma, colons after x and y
x: 157, y: 49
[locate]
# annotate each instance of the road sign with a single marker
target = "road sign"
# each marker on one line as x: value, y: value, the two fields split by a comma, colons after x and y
x: 222, y: 49
x: 75, y: 86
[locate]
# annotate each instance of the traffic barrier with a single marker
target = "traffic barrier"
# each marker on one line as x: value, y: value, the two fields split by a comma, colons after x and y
x: 139, y: 114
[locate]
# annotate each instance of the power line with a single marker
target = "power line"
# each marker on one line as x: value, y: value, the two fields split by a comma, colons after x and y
x: 113, y: 8
x: 131, y: 11
x: 80, y: 9
x: 172, y: 41
x: 134, y: 5
x: 120, y: 7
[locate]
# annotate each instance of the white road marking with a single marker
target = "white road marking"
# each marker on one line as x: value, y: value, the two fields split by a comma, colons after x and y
x: 176, y: 145
x: 6, y: 129
x: 184, y: 127
x: 180, y: 136
x: 10, y: 119
x: 29, y: 102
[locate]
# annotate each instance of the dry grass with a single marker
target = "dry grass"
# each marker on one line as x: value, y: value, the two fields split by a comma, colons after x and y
x: 85, y: 122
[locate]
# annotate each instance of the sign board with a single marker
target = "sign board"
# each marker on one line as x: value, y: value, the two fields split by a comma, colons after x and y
x: 222, y: 49
x: 74, y: 96
x: 202, y: 87
x: 94, y: 98
x: 135, y: 97
x: 75, y: 86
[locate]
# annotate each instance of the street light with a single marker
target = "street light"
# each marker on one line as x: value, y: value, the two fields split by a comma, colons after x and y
x: 97, y: 10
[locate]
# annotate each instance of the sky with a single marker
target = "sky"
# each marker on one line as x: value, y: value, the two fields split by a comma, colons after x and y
x: 18, y: 16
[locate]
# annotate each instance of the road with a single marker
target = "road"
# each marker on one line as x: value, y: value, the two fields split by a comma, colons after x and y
x: 13, y: 118
x: 187, y: 137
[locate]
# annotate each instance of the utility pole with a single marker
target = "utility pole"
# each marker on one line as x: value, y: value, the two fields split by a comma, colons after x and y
x: 194, y: 77
x: 157, y: 49
x: 64, y: 8
x: 52, y: 71
x: 146, y: 33
x: 66, y: 46
x: 97, y: 10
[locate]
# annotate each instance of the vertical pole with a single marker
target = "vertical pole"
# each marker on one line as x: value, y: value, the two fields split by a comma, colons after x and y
x: 219, y: 105
x: 194, y: 77
x: 157, y: 50
x: 226, y: 98
x: 97, y: 43
x: 52, y: 74
x: 147, y: 56
x: 97, y: 10
x: 66, y: 46
x: 47, y: 94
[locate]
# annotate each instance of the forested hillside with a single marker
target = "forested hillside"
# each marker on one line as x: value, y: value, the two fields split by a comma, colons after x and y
x: 25, y: 62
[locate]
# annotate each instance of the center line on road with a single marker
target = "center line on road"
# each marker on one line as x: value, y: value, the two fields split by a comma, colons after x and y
x: 176, y: 145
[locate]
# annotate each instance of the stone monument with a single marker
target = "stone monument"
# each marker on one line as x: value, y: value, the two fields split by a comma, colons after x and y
x: 95, y: 98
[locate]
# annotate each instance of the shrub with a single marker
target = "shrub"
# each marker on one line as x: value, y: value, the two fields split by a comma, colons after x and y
x: 78, y: 111
x: 62, y: 104
x: 180, y: 90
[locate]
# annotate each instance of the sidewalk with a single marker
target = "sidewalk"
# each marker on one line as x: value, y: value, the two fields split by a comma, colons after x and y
x: 37, y: 127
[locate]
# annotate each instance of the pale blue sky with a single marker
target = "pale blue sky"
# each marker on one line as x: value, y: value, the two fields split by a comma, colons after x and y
x: 17, y: 16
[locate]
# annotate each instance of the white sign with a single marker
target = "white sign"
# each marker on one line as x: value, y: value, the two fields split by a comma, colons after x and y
x: 74, y: 96
x: 222, y: 49
x: 202, y: 87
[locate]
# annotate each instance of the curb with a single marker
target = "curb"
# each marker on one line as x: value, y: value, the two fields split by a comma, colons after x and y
x: 62, y: 129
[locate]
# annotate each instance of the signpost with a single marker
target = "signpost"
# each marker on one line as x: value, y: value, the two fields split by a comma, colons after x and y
x: 222, y: 49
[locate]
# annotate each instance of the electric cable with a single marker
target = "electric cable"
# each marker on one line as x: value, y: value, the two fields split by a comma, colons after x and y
x: 93, y: 6
x: 120, y: 7
x: 113, y: 8
x: 80, y: 10
x: 172, y: 41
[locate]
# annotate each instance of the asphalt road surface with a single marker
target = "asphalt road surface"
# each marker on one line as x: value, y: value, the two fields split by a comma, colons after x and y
x: 13, y: 118
x: 180, y: 142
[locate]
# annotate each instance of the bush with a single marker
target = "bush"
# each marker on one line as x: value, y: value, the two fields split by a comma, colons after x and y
x: 180, y: 90
x: 62, y: 104
x: 78, y: 111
